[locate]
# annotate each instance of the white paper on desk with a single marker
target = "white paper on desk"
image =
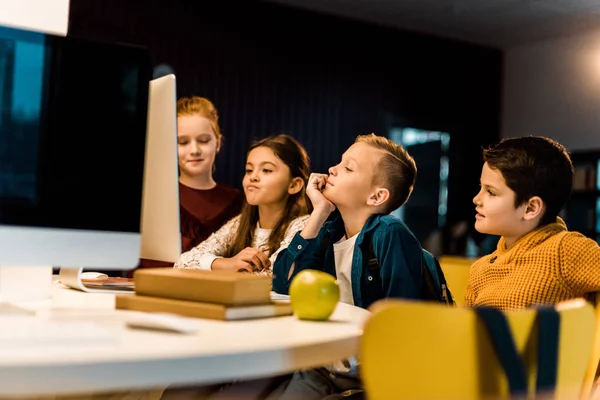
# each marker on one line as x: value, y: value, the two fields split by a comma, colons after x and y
x: 30, y: 331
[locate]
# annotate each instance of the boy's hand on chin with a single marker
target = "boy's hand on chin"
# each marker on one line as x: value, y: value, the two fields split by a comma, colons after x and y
x: 314, y: 189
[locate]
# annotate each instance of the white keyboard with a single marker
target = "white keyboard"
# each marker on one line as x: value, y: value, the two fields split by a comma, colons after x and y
x: 35, y: 331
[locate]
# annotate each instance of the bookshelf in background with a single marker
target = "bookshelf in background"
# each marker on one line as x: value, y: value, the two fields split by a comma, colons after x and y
x: 582, y: 212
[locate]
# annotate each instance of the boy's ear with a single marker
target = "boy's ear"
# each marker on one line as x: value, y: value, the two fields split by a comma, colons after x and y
x: 534, y: 208
x: 295, y: 186
x: 377, y: 198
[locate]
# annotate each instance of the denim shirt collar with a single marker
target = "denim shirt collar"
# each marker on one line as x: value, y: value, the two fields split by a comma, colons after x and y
x: 336, y: 229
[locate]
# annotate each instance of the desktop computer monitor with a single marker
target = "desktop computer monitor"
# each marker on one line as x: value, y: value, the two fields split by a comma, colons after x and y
x: 73, y: 117
x: 160, y: 228
x: 161, y: 237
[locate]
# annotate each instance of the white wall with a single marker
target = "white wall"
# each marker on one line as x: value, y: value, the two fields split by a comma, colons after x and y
x: 49, y: 16
x: 552, y: 88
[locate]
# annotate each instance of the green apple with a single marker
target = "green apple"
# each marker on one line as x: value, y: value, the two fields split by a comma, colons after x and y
x: 314, y: 295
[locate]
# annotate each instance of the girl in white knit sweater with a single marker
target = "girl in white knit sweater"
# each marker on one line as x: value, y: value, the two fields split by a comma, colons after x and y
x: 277, y: 170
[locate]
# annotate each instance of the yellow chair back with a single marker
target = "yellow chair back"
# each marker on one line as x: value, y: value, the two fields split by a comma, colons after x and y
x: 418, y: 350
x: 456, y: 271
x: 592, y: 369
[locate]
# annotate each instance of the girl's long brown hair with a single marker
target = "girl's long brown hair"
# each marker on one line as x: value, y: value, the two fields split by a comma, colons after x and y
x: 293, y: 154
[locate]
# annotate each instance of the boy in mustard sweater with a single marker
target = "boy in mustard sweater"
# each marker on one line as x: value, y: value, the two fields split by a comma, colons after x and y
x: 525, y: 182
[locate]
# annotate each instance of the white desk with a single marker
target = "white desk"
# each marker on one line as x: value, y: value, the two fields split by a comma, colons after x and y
x: 221, y: 351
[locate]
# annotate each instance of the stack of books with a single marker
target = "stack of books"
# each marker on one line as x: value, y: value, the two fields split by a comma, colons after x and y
x: 203, y: 294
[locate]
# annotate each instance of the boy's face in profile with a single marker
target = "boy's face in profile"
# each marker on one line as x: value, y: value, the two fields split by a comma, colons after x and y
x: 351, y: 181
x: 495, y: 206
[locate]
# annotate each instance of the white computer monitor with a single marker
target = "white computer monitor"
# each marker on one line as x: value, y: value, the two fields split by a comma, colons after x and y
x: 161, y: 237
x: 73, y: 117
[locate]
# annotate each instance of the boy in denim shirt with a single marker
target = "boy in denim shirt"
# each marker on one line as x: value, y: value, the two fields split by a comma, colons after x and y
x: 374, y: 177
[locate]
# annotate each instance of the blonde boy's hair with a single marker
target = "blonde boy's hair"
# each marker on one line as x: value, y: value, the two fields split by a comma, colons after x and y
x: 396, y: 170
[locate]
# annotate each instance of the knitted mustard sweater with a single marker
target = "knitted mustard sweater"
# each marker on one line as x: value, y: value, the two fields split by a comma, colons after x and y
x: 546, y: 266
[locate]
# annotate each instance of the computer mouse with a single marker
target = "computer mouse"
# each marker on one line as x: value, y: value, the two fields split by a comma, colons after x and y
x: 92, y: 275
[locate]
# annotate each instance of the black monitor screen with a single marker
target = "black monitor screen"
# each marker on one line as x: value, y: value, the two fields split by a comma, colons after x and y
x: 72, y: 132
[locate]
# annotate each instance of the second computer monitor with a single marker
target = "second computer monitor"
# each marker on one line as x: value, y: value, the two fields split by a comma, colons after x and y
x: 161, y: 237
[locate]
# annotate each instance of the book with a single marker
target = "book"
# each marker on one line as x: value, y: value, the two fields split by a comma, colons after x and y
x: 221, y: 287
x: 202, y: 310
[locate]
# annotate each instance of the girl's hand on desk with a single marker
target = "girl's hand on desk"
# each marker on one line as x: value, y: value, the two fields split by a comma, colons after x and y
x: 247, y: 260
x: 256, y: 259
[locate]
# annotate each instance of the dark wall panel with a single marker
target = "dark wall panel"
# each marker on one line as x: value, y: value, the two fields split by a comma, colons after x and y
x: 322, y: 79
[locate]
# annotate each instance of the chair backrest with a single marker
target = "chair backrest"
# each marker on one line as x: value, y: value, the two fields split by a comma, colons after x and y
x: 456, y: 271
x: 419, y: 350
x: 592, y: 369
